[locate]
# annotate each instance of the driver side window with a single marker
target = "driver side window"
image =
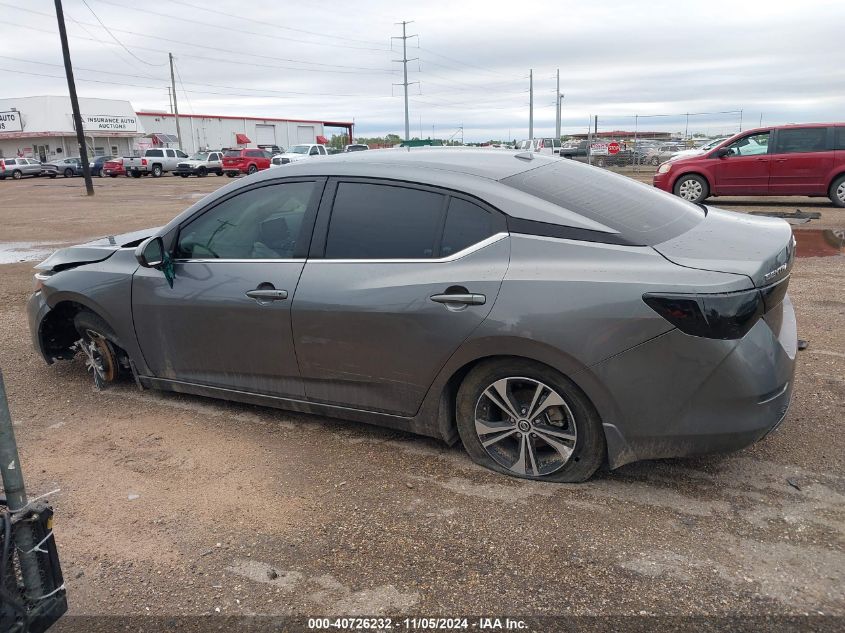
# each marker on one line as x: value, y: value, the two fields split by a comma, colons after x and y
x: 751, y: 145
x: 263, y: 223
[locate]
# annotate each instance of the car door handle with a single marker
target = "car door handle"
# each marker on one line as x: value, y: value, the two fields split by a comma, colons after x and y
x: 267, y: 295
x: 466, y: 299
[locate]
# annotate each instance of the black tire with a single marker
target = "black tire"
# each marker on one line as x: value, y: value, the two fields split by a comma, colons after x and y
x: 68, y: 173
x: 589, y: 449
x: 837, y: 192
x: 112, y: 175
x: 92, y: 329
x: 692, y: 188
x: 17, y: 174
x: 202, y: 172
x: 231, y: 174
x: 220, y: 173
x: 156, y: 171
x: 184, y: 175
x: 251, y: 170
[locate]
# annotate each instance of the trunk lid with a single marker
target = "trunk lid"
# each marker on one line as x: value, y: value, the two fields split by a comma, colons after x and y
x: 760, y: 248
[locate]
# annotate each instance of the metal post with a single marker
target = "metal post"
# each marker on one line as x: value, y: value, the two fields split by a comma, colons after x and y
x: 12, y: 476
x: 636, y: 148
x: 557, y: 107
x: 686, y: 130
x: 589, y: 142
x: 175, y: 105
x: 74, y: 101
x: 405, y: 73
x: 740, y: 120
x: 531, y: 105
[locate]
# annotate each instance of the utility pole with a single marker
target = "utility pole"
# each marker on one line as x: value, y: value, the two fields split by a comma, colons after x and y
x: 405, y: 37
x: 74, y: 101
x: 175, y: 105
x: 557, y: 107
x: 531, y: 104
x: 169, y: 100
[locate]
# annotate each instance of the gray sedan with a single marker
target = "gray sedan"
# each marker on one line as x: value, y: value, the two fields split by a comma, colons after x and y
x: 548, y: 315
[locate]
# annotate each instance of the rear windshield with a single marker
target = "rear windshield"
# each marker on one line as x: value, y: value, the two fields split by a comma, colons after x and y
x: 233, y: 153
x: 639, y: 213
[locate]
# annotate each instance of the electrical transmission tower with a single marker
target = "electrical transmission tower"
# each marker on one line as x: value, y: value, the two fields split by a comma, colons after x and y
x: 405, y: 37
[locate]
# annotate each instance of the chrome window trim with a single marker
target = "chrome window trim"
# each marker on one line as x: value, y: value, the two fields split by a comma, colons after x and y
x: 454, y: 256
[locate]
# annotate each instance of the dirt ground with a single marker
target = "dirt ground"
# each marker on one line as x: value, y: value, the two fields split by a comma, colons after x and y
x: 176, y: 505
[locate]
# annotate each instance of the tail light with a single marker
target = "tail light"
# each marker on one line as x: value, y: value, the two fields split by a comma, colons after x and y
x: 143, y: 161
x: 718, y: 316
x: 2, y: 165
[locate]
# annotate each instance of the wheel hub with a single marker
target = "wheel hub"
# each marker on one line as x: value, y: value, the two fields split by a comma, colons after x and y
x: 525, y: 426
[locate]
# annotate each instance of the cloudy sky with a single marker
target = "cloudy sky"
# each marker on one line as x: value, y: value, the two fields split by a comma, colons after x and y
x: 774, y: 60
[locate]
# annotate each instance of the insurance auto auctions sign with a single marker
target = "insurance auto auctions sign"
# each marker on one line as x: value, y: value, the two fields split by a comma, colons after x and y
x: 104, y: 122
x: 10, y: 122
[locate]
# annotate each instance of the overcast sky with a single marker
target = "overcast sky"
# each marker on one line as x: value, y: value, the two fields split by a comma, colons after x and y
x: 777, y: 60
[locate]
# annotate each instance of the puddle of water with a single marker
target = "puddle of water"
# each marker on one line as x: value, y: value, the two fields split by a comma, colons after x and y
x: 819, y: 242
x: 13, y: 252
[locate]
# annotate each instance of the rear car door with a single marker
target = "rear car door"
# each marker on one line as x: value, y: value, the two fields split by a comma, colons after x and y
x: 745, y: 172
x: 398, y: 276
x: 225, y: 322
x: 802, y: 159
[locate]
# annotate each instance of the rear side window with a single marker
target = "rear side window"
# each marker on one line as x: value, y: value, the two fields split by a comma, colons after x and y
x: 155, y: 153
x: 9, y: 161
x: 255, y: 153
x: 802, y: 139
x: 641, y: 214
x: 233, y: 153
x: 840, y: 138
x: 466, y: 224
x: 383, y: 222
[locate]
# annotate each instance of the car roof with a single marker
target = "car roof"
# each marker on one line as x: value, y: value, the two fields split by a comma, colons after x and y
x: 482, y: 163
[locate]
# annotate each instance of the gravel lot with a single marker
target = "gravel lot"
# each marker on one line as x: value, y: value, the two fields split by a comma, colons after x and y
x: 174, y: 504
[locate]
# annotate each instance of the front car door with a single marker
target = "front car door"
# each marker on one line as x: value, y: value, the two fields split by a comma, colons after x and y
x: 802, y: 159
x: 398, y: 276
x: 745, y: 171
x: 226, y: 320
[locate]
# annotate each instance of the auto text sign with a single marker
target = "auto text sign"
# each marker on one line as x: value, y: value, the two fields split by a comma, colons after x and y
x: 598, y: 149
x: 11, y: 122
x: 108, y: 122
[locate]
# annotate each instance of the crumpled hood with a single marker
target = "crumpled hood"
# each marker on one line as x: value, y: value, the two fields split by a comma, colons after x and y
x: 93, y: 251
x: 758, y: 247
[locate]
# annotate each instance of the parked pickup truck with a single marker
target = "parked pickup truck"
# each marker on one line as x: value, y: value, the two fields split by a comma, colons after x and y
x: 200, y: 164
x: 298, y: 153
x: 577, y: 150
x: 154, y: 162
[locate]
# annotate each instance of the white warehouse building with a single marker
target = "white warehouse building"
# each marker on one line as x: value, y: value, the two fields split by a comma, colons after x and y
x: 205, y: 131
x: 43, y: 128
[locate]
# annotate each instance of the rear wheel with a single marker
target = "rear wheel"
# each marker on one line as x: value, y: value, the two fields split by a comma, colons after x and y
x: 528, y: 420
x: 220, y: 172
x: 251, y: 169
x: 692, y: 188
x: 837, y: 192
x: 98, y: 347
x: 136, y: 174
x: 231, y: 174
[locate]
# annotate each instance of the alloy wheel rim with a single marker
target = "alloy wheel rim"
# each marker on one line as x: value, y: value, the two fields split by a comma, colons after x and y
x: 525, y: 426
x: 840, y: 192
x: 690, y: 189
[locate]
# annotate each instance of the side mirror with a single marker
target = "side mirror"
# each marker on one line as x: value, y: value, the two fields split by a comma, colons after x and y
x: 723, y: 151
x: 150, y: 252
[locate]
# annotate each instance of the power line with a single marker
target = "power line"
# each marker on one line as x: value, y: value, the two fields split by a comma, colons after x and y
x: 279, y: 26
x: 370, y: 70
x: 230, y: 29
x: 115, y: 38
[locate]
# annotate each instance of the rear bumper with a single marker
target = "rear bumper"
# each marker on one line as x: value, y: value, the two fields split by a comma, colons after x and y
x: 679, y: 395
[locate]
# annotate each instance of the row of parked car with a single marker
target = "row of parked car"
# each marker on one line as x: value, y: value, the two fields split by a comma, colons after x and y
x: 158, y: 161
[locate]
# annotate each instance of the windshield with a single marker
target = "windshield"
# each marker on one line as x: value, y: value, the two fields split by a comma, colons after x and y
x: 640, y: 213
x: 300, y: 149
x: 199, y: 156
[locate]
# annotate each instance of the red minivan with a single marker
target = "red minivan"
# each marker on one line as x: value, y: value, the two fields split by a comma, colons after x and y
x: 245, y: 161
x: 788, y: 160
